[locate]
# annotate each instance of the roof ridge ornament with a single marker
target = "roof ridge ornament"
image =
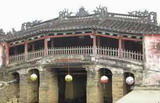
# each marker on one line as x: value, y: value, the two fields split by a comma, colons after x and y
x: 2, y: 32
x: 151, y: 16
x: 82, y: 12
x: 101, y: 10
x: 27, y: 25
x: 65, y: 13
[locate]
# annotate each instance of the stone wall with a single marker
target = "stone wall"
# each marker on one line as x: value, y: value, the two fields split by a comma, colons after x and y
x: 152, y: 60
x: 47, y: 87
x: 10, y: 93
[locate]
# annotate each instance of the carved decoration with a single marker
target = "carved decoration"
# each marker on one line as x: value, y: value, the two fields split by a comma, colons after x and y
x: 139, y: 13
x: 82, y: 12
x: 27, y: 25
x: 13, y: 31
x: 101, y: 10
x: 152, y: 16
x: 2, y: 32
x: 64, y: 13
x: 9, y: 33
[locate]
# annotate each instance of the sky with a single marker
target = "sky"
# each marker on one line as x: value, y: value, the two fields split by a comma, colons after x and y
x: 16, y: 12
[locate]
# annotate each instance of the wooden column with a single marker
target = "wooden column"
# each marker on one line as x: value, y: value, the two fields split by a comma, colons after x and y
x: 98, y: 41
x: 120, y: 43
x: 7, y: 53
x: 26, y: 50
x: 120, y: 46
x: 52, y: 43
x: 46, y: 46
x: 94, y: 44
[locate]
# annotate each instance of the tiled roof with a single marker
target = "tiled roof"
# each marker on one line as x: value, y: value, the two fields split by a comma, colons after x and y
x: 122, y: 23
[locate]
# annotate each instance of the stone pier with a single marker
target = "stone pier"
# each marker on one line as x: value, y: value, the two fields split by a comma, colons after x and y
x: 23, y: 82
x: 94, y: 91
x: 117, y: 87
x: 48, y: 88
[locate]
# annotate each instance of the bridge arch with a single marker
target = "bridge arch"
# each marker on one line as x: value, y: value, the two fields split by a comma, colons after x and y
x: 128, y: 88
x: 106, y: 87
x: 33, y: 86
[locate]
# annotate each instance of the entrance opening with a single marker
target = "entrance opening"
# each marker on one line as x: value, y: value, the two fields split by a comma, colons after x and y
x: 106, y: 87
x: 16, y: 84
x: 33, y: 87
x: 74, y: 91
x: 128, y: 88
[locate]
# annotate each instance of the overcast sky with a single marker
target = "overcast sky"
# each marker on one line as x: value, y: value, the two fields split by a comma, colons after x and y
x: 16, y: 12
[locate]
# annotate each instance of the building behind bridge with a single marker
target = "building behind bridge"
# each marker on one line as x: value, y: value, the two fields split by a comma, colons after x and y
x: 86, y: 46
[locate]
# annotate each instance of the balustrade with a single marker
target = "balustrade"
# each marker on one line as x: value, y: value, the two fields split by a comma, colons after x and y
x: 88, y: 50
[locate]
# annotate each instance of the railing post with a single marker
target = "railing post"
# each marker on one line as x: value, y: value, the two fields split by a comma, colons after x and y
x: 26, y: 50
x: 120, y: 53
x: 45, y: 46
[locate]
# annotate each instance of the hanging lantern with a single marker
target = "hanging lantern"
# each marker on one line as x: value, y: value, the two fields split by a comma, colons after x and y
x: 68, y: 78
x: 104, y: 79
x: 33, y: 77
x: 129, y: 80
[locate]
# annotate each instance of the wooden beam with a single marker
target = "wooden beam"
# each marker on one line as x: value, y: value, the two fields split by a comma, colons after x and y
x: 131, y: 39
x: 108, y: 36
x: 54, y: 36
x: 70, y: 35
x: 16, y: 44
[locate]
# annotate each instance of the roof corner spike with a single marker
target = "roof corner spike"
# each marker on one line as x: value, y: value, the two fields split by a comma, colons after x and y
x: 153, y: 17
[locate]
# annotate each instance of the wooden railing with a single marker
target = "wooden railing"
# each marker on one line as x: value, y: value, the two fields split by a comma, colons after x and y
x: 17, y: 58
x: 35, y: 54
x: 101, y: 51
x: 70, y: 51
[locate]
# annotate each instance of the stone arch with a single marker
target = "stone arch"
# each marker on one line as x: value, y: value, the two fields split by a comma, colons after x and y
x: 128, y: 88
x: 106, y: 87
x: 33, y: 86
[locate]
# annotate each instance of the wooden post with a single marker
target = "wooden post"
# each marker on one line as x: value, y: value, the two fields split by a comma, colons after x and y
x: 7, y: 53
x: 120, y: 46
x: 26, y: 50
x: 46, y: 46
x: 52, y: 43
x: 94, y: 44
x: 98, y: 42
x: 33, y: 48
